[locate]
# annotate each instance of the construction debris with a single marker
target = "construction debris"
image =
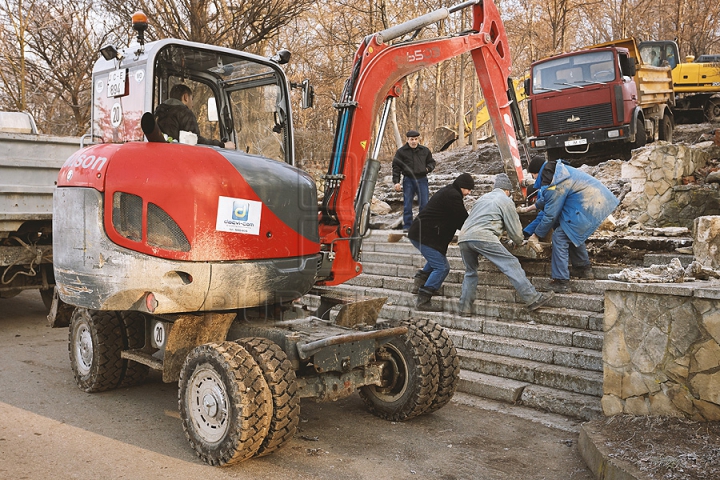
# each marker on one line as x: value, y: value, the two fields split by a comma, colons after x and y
x: 671, y: 273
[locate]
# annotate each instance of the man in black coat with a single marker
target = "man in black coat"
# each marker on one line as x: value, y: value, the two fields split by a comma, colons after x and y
x: 413, y: 161
x: 431, y: 233
x: 176, y: 114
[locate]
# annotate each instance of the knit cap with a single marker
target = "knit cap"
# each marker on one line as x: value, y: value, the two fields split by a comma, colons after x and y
x: 502, y: 181
x: 465, y: 180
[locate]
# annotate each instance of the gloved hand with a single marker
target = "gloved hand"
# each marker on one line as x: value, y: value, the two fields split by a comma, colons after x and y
x: 527, y: 209
x: 534, y: 243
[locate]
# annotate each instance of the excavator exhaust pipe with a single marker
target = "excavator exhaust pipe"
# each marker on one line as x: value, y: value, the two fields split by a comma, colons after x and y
x: 150, y: 128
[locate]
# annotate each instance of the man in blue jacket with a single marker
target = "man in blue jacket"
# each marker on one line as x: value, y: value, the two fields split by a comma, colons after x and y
x: 413, y: 161
x: 575, y: 206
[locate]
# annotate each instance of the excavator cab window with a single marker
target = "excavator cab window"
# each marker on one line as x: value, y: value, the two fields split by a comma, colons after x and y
x: 246, y: 96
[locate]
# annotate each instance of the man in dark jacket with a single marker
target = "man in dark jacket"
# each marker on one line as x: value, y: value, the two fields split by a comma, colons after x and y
x: 176, y: 114
x: 432, y: 231
x: 414, y: 162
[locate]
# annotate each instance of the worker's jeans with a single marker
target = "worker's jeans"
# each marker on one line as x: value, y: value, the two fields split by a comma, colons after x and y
x: 412, y: 187
x: 503, y: 260
x: 437, y: 265
x: 563, y: 251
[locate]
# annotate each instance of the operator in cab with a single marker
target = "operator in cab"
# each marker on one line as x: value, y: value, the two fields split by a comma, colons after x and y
x: 176, y: 114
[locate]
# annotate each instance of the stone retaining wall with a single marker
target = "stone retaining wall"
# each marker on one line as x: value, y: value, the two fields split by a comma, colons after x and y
x: 658, y: 197
x: 661, y: 353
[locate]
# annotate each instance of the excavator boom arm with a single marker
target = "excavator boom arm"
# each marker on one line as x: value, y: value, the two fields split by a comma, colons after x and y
x: 379, y: 67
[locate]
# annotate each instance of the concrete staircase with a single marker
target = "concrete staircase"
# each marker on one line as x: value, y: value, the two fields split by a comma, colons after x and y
x: 550, y: 359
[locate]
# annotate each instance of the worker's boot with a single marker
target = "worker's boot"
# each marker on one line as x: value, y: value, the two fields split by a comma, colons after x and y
x: 585, y: 272
x: 419, y: 280
x: 424, y: 298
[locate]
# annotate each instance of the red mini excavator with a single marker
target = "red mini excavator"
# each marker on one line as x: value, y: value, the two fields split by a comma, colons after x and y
x: 187, y: 258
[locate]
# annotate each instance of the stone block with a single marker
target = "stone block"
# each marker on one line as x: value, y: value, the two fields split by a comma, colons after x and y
x: 611, y: 405
x: 636, y: 406
x: 615, y: 352
x: 706, y: 357
x: 661, y: 405
x: 709, y: 411
x: 633, y: 385
x: 592, y: 340
x: 487, y: 386
x: 706, y: 246
x: 680, y: 397
x: 562, y: 402
x: 706, y: 386
x: 612, y: 381
x: 711, y: 322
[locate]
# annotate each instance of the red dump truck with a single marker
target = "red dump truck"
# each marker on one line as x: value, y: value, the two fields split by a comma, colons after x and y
x: 598, y: 103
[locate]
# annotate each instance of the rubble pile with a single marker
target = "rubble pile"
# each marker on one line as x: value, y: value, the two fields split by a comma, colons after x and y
x: 670, y: 273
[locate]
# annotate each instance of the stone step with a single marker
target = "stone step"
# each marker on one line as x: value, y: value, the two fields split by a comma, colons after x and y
x: 405, y: 301
x: 555, y: 376
x: 548, y: 399
x: 407, y: 255
x: 498, y: 293
x: 562, y: 402
x: 490, y: 276
x: 573, y: 357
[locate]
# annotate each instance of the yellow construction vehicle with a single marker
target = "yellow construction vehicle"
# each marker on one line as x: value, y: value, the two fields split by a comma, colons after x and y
x: 445, y: 136
x: 696, y: 81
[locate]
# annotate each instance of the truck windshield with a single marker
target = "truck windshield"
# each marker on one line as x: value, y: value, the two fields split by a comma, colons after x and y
x: 575, y: 71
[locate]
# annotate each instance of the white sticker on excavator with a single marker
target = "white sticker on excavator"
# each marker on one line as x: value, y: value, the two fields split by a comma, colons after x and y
x: 238, y: 215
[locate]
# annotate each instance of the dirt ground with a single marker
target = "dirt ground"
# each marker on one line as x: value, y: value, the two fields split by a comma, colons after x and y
x: 664, y: 448
x: 50, y: 429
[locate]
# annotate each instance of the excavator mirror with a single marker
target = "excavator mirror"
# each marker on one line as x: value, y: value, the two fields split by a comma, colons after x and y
x: 308, y: 94
x: 212, y: 110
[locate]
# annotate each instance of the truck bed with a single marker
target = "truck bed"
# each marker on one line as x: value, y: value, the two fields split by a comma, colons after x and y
x: 29, y: 165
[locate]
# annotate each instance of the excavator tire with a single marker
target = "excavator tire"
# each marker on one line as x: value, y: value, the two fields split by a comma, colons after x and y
x: 280, y: 377
x: 447, y: 360
x: 133, y: 338
x: 411, y: 385
x: 225, y: 403
x: 712, y: 110
x: 94, y: 343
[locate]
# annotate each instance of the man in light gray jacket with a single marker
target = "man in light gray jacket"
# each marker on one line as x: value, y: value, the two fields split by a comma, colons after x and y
x: 492, y: 214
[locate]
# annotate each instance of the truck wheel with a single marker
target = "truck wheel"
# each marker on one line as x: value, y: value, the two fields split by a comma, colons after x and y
x: 640, y: 134
x: 712, y: 110
x: 95, y: 343
x: 225, y: 403
x: 666, y: 129
x: 134, y: 338
x: 447, y: 360
x: 280, y: 377
x: 410, y: 382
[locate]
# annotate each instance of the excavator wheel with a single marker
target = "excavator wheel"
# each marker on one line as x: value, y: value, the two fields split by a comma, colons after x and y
x: 95, y: 343
x: 712, y: 110
x: 280, y: 377
x: 447, y: 360
x: 225, y: 403
x: 410, y: 382
x: 134, y: 338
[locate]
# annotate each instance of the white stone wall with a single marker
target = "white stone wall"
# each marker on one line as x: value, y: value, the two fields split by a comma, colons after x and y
x: 654, y: 171
x: 661, y: 352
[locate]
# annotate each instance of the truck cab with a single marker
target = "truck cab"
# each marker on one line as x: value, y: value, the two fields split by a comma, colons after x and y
x: 580, y: 99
